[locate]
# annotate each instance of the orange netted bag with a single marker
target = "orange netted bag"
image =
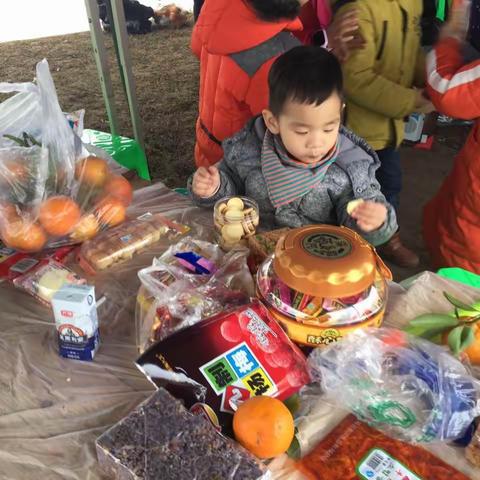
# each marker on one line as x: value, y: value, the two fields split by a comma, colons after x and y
x: 354, y: 451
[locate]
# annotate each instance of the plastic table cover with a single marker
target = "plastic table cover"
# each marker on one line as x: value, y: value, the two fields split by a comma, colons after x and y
x: 52, y: 409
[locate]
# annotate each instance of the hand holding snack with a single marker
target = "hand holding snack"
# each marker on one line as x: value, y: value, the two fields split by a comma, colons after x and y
x: 206, y: 182
x: 370, y: 216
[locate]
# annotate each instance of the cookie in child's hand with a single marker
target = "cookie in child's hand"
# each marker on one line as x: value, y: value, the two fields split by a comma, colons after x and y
x: 353, y: 205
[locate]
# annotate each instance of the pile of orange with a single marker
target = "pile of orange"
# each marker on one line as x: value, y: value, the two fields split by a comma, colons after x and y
x: 264, y: 426
x: 60, y: 216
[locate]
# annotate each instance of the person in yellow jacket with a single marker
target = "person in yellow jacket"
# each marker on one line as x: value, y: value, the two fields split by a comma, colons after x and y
x: 383, y: 85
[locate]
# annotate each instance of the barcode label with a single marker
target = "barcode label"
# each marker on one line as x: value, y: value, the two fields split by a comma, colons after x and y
x: 24, y: 265
x: 375, y: 461
x: 379, y: 465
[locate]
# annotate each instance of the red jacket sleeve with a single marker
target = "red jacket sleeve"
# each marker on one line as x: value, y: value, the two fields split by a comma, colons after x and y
x: 453, y: 86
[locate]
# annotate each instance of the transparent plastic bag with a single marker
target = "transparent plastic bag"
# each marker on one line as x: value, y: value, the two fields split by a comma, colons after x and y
x: 52, y: 191
x: 406, y: 387
x: 174, y: 296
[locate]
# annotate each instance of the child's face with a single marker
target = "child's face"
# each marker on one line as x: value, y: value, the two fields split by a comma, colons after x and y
x: 308, y: 132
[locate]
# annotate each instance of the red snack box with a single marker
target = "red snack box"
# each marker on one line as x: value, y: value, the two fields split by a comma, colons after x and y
x: 230, y: 358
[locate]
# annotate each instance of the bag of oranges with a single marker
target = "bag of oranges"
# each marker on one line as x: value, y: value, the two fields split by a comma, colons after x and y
x: 52, y: 191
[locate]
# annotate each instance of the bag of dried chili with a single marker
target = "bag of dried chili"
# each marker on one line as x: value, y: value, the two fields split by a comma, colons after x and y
x: 354, y: 451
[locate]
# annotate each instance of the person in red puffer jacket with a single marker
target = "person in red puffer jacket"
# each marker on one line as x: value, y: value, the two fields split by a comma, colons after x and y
x: 237, y: 41
x: 451, y: 221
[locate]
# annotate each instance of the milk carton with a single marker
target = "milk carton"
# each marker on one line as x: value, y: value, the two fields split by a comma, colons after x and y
x: 76, y: 320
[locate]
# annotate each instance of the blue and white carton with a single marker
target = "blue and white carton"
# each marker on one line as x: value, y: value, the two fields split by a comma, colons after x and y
x: 76, y: 320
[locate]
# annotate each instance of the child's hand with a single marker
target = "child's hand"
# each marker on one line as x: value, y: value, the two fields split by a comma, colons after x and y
x: 370, y: 216
x: 206, y: 182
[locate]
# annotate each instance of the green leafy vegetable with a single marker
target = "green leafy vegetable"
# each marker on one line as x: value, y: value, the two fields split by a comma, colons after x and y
x: 455, y: 339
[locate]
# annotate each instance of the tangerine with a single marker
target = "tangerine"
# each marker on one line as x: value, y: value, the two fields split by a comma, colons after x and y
x: 264, y: 426
x: 473, y: 351
x: 59, y: 215
x: 111, y: 211
x: 24, y: 235
x: 8, y: 212
x: 118, y: 186
x: 13, y: 173
x: 92, y: 170
x: 86, y: 228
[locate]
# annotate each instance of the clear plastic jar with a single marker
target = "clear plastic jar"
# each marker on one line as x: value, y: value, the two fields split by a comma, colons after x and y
x: 235, y: 219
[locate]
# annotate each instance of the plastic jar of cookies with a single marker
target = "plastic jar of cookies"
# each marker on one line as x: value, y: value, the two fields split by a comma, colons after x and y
x: 235, y: 219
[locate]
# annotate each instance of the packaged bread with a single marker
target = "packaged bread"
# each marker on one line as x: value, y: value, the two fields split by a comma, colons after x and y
x: 120, y: 244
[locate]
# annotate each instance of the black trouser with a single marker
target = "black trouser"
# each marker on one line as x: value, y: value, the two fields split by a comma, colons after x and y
x: 197, y: 6
x: 389, y: 175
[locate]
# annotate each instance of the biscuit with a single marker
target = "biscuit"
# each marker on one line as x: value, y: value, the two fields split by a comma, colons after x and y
x: 234, y: 215
x: 353, y: 205
x: 235, y: 203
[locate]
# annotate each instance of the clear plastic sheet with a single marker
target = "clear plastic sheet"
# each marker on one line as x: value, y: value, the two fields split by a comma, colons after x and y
x: 52, y: 410
x: 52, y: 190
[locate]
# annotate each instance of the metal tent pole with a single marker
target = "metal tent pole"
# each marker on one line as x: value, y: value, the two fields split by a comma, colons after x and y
x: 121, y: 38
x: 101, y: 60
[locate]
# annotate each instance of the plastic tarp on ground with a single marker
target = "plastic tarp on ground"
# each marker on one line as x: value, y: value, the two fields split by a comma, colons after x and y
x: 53, y: 409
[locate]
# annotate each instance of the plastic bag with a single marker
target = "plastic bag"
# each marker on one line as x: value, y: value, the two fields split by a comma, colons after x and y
x: 407, y: 387
x: 174, y: 296
x: 52, y: 192
x: 353, y: 450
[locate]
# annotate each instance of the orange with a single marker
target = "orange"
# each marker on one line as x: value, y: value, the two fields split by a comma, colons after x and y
x: 86, y: 228
x: 473, y: 351
x: 8, y: 212
x: 13, y: 172
x: 119, y: 187
x: 111, y: 211
x: 24, y: 235
x: 92, y: 170
x: 59, y: 215
x: 264, y: 426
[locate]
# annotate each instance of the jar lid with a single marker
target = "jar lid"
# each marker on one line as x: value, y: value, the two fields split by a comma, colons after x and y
x: 326, y: 261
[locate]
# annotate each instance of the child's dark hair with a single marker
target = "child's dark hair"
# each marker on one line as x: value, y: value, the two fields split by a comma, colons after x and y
x: 274, y: 10
x: 306, y: 75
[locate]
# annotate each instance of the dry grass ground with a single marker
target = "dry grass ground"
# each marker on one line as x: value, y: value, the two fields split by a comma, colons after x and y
x: 166, y: 74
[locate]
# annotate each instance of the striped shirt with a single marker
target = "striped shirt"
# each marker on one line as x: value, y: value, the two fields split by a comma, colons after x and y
x: 288, y: 179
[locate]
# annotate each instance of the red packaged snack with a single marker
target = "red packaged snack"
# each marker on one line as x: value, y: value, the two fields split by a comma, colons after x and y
x: 353, y: 451
x: 231, y: 357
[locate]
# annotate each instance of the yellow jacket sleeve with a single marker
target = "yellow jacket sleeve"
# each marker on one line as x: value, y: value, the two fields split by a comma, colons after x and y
x: 363, y: 85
